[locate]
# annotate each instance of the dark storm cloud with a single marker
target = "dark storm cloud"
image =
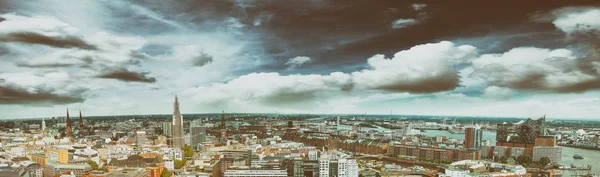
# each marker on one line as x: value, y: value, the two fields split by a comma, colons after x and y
x: 202, y: 59
x: 342, y: 32
x: 49, y: 65
x: 35, y: 38
x: 430, y: 85
x: 15, y: 95
x: 128, y: 76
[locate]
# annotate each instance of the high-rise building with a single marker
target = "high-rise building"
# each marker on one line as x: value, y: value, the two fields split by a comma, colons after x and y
x: 223, y: 120
x: 198, y: 135
x: 223, y: 139
x: 68, y: 131
x: 177, y: 126
x: 166, y: 128
x: 324, y: 167
x: 473, y: 138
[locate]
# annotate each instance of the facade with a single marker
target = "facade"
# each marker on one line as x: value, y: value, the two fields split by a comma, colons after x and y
x: 30, y: 169
x: 255, y: 173
x: 177, y: 126
x: 522, y: 131
x: 198, y: 135
x: 347, y: 168
x: 40, y: 159
x: 57, y: 155
x: 52, y: 169
x: 141, y: 138
x: 554, y: 153
x: 166, y: 128
x: 474, y: 168
x: 313, y: 155
x: 410, y: 153
x: 473, y: 138
x: 324, y: 167
x: 517, y: 151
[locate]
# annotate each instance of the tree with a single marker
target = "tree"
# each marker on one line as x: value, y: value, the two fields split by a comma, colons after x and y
x: 504, y: 159
x: 524, y: 159
x: 165, y: 173
x: 188, y: 151
x: 545, y: 161
x: 179, y: 163
x: 92, y: 164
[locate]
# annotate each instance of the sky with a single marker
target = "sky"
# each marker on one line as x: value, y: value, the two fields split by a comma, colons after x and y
x: 462, y: 58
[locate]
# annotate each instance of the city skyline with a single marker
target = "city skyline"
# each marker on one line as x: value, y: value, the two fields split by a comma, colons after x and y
x: 312, y: 57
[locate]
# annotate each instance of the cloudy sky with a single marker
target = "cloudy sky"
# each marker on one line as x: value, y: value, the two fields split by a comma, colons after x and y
x: 473, y: 58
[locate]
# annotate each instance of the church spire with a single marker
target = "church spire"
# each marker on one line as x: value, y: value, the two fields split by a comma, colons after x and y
x: 68, y: 131
x: 177, y: 126
x: 43, y: 127
x: 223, y: 119
x: 176, y: 106
x: 81, y: 121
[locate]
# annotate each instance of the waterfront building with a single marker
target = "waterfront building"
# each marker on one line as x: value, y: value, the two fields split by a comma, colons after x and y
x: 553, y: 153
x: 524, y: 132
x: 473, y: 138
x: 475, y: 168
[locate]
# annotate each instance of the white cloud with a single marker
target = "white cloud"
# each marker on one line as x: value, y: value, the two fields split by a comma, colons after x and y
x: 498, y: 92
x: 403, y: 23
x: 578, y: 20
x: 298, y: 61
x: 418, y: 7
x: 192, y: 55
x: 534, y: 69
x: 44, y: 25
x: 422, y: 69
x: 272, y: 89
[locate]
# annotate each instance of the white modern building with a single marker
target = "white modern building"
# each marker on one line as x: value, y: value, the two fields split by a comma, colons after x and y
x: 347, y: 168
x: 324, y: 167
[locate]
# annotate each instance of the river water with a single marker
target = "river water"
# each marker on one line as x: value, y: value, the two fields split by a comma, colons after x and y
x: 591, y: 157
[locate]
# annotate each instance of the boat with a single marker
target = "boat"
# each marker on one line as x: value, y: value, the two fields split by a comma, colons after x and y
x: 577, y: 156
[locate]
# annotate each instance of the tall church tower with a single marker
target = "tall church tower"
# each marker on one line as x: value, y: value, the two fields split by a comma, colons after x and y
x: 44, y: 133
x: 178, y: 141
x: 68, y: 131
x: 81, y: 127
